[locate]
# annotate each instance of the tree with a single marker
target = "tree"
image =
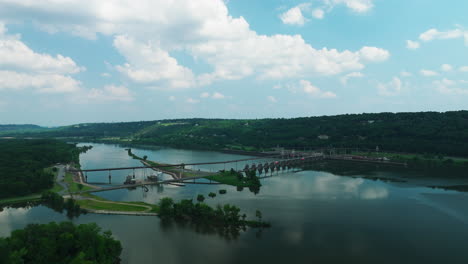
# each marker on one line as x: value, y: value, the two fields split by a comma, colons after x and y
x: 80, y: 187
x: 212, y: 194
x: 145, y: 157
x: 200, y: 198
x: 222, y: 191
x: 258, y: 214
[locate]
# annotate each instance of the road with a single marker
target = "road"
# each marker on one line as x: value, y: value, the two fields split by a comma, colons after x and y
x: 61, y: 179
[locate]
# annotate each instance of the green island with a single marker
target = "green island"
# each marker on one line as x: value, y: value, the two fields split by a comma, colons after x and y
x: 226, y: 216
x: 60, y: 243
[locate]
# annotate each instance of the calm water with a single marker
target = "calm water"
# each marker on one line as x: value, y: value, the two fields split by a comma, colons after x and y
x: 316, y: 217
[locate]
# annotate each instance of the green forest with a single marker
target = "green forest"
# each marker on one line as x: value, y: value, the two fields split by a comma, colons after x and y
x: 22, y: 163
x: 60, y: 243
x: 422, y: 132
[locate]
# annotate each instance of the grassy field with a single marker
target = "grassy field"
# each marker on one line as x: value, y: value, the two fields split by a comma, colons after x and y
x: 57, y: 187
x: 117, y: 206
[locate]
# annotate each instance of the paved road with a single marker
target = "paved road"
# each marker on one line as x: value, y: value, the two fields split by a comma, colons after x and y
x: 61, y: 179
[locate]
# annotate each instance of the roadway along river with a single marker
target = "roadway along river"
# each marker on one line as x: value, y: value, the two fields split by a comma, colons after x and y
x: 316, y: 217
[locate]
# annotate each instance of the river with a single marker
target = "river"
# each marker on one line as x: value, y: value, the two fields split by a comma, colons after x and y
x: 316, y: 217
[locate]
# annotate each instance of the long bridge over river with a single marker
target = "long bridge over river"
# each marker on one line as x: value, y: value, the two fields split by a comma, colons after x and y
x: 267, y: 164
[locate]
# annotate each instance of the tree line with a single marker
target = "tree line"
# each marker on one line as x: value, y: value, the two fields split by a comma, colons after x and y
x: 22, y: 163
x: 422, y: 132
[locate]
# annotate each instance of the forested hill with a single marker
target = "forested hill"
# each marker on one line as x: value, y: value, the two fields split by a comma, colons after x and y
x: 425, y: 132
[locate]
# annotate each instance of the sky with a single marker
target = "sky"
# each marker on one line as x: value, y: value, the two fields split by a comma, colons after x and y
x: 78, y: 61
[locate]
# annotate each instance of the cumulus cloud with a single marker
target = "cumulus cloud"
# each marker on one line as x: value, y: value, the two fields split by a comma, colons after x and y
x: 428, y: 73
x: 435, y: 34
x: 374, y: 54
x: 22, y: 68
x: 149, y: 33
x: 391, y: 88
x: 344, y: 79
x: 314, y: 91
x: 14, y: 54
x: 43, y: 83
x: 148, y: 63
x: 463, y: 69
x: 293, y: 17
x: 412, y: 44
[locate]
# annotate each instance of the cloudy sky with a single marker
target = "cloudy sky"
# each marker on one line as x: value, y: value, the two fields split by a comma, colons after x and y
x: 75, y: 61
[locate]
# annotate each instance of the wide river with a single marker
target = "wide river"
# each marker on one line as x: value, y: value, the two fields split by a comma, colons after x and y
x: 316, y: 216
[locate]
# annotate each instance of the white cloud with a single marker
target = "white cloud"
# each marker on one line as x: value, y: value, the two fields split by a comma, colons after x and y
x: 15, y: 55
x: 22, y: 68
x: 360, y: 6
x: 150, y: 64
x: 412, y: 44
x: 217, y: 95
x: 43, y: 83
x: 172, y: 98
x: 463, y: 69
x: 406, y: 74
x: 293, y: 17
x: 434, y: 34
x: 450, y: 87
x: 314, y: 91
x: 105, y: 75
x: 391, y: 88
x: 272, y: 99
x: 446, y: 67
x: 374, y: 54
x: 428, y: 73
x: 148, y: 33
x: 192, y: 101
x: 318, y: 13
x: 344, y: 79
x: 111, y: 93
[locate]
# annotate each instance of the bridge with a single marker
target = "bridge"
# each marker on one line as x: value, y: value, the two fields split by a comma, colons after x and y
x: 270, y: 163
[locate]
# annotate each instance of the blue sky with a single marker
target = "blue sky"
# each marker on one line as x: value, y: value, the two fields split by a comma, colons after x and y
x: 76, y: 61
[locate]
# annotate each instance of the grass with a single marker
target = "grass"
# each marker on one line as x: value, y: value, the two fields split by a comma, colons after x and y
x: 108, y: 207
x: 98, y: 205
x: 57, y: 187
x: 73, y: 186
x: 31, y: 197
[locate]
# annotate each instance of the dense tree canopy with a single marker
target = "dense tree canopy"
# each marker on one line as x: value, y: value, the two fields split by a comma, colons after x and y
x: 22, y: 164
x: 60, y: 243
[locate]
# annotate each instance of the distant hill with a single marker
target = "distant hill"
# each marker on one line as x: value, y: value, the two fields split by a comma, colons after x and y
x: 424, y: 132
x: 19, y: 128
